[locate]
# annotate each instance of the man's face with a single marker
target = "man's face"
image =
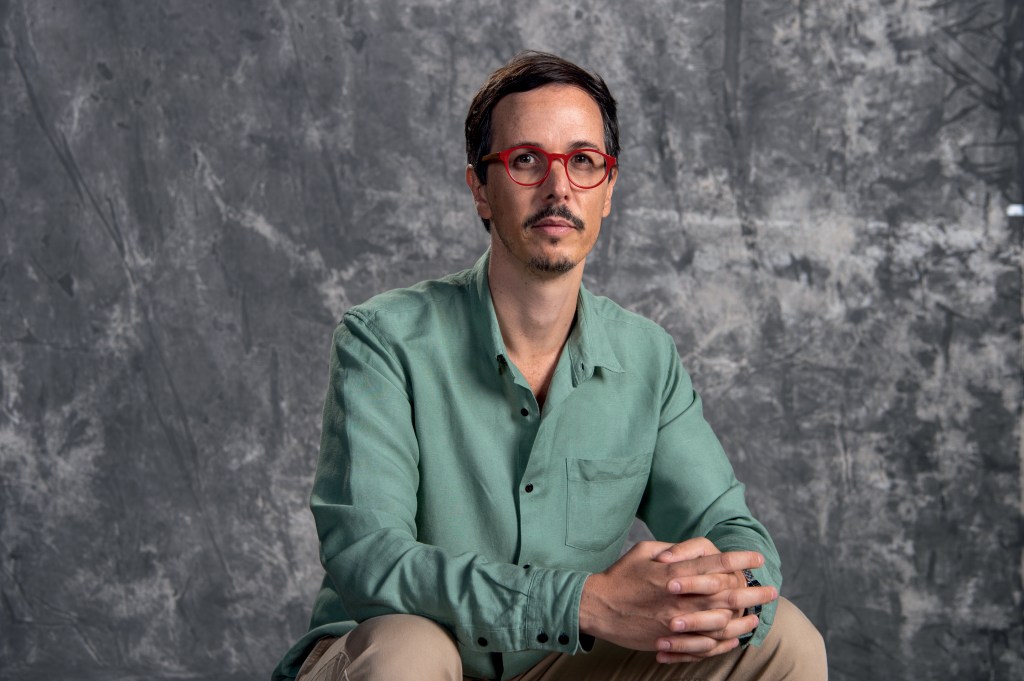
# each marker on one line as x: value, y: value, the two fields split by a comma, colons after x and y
x: 550, y: 228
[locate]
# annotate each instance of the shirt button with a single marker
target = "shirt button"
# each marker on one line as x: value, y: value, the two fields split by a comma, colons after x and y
x: 542, y: 637
x: 483, y: 641
x: 529, y: 488
x: 563, y: 639
x: 524, y: 411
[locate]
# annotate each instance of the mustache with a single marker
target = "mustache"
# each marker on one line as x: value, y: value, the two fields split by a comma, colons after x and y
x: 554, y: 212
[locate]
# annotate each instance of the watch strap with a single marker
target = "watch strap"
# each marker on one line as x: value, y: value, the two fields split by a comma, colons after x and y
x: 756, y: 610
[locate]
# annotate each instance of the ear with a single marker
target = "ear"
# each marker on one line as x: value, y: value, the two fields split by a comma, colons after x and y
x: 479, y: 191
x: 613, y: 175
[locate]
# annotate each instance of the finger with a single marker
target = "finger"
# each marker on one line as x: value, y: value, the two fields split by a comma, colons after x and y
x: 735, y: 628
x: 672, y: 658
x: 694, y: 644
x: 687, y: 550
x: 681, y: 575
x: 706, y: 622
x: 652, y: 549
x: 737, y: 600
x: 704, y: 584
x: 730, y: 561
x: 747, y: 597
x: 691, y: 644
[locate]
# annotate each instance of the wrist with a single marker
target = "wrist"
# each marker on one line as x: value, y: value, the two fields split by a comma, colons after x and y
x: 750, y: 580
x: 588, y: 602
x: 741, y: 581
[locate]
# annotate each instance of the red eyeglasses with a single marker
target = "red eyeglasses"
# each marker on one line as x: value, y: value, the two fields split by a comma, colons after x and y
x: 529, y: 166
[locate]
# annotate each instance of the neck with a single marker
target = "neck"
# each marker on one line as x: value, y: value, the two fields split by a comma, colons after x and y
x: 535, y: 310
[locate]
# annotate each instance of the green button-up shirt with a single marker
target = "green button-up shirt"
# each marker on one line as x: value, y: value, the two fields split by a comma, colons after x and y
x: 444, y: 490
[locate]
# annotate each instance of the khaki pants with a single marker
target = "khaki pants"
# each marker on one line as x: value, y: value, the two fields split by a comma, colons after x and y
x: 793, y: 650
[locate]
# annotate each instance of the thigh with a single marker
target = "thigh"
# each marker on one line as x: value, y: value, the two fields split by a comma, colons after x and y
x: 606, y: 662
x: 793, y: 650
x: 393, y: 647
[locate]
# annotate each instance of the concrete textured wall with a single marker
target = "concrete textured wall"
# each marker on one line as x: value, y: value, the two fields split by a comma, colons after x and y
x: 812, y: 200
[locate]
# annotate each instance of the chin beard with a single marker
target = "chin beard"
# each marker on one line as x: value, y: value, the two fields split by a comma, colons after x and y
x: 549, y: 266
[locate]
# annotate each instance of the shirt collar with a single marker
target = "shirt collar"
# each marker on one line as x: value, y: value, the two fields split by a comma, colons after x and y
x: 588, y: 342
x: 483, y: 310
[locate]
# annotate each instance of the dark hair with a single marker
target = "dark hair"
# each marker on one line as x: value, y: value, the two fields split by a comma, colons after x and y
x: 527, y: 71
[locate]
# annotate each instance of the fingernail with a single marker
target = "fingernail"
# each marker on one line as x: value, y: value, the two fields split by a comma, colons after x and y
x: 664, y: 645
x: 679, y: 626
x: 664, y: 554
x: 675, y: 587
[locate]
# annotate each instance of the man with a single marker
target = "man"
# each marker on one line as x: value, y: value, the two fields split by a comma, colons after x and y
x: 488, y: 439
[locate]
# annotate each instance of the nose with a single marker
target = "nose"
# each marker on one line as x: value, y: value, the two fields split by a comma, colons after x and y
x: 556, y: 184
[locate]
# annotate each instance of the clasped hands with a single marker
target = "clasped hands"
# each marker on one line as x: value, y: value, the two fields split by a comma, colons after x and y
x: 684, y: 600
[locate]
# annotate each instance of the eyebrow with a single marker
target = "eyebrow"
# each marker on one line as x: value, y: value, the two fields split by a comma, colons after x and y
x: 578, y: 144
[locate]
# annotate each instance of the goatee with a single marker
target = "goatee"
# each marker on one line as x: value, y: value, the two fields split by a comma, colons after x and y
x: 548, y: 266
x: 558, y: 265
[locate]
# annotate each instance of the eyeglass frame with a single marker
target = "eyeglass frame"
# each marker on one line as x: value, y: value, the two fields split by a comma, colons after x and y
x: 503, y: 156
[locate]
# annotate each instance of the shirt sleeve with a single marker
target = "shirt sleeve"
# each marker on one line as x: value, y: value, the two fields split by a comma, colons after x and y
x: 692, y: 490
x: 364, y: 503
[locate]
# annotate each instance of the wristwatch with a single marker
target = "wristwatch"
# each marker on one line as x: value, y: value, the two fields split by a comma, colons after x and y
x: 756, y: 610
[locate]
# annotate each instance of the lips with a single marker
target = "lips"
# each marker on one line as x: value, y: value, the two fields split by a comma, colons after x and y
x: 554, y: 225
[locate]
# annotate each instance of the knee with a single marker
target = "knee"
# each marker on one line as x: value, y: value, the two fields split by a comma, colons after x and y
x: 402, y: 646
x: 798, y: 644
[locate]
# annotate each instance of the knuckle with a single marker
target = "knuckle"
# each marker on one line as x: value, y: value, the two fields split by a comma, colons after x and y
x: 697, y: 645
x: 692, y: 644
x: 644, y: 548
x: 730, y: 561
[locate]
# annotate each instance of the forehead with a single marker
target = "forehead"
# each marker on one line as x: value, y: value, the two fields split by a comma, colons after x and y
x: 552, y: 116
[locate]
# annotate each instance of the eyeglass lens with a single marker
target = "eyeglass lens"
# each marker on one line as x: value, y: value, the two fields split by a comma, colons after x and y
x: 586, y: 169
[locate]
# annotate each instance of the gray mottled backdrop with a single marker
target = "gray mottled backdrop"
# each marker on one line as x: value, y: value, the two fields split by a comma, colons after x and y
x: 813, y: 201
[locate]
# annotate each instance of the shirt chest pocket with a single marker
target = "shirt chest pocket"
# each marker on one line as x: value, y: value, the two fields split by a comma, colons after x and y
x: 603, y: 495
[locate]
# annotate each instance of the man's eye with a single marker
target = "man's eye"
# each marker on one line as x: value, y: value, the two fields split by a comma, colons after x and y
x: 525, y: 159
x: 583, y: 160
